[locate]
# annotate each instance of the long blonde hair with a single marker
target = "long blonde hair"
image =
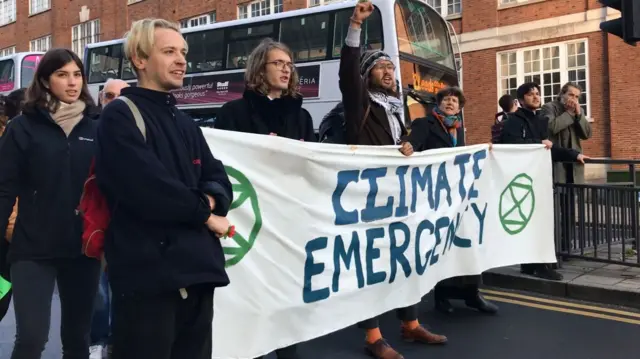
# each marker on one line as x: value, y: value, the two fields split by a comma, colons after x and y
x: 254, y: 74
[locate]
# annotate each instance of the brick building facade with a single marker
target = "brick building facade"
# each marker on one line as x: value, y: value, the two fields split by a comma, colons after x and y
x: 508, y: 42
x: 503, y: 43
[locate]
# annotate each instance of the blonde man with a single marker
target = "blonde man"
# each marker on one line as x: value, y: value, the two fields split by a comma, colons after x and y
x: 168, y: 197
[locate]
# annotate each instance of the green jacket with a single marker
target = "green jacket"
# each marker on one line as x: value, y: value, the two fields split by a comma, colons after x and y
x: 566, y: 131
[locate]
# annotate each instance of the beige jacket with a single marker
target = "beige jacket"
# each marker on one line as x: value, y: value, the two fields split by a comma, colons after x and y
x: 566, y: 131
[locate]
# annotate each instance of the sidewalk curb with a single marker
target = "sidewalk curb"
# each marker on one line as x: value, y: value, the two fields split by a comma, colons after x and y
x: 569, y: 290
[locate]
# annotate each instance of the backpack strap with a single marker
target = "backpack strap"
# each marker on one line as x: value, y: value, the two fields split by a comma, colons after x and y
x: 137, y: 116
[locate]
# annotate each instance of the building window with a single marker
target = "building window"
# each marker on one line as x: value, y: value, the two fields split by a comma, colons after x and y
x: 260, y: 8
x: 42, y: 44
x: 84, y: 34
x: 198, y: 20
x: 446, y: 7
x: 37, y: 6
x: 7, y: 11
x: 313, y: 3
x: 8, y: 51
x: 550, y: 66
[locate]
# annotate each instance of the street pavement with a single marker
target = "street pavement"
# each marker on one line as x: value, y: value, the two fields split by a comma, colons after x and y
x: 528, y: 327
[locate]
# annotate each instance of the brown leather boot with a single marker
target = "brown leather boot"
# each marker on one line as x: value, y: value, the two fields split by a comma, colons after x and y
x: 422, y: 335
x: 382, y: 350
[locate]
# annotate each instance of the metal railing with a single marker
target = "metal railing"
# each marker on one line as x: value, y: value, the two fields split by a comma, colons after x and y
x: 599, y: 222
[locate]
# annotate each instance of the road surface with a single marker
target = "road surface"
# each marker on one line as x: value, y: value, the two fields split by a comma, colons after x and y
x: 527, y: 327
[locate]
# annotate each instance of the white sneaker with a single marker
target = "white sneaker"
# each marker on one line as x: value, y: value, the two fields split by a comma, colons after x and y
x: 95, y: 352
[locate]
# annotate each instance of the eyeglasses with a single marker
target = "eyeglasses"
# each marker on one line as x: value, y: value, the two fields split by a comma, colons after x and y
x: 110, y: 95
x: 281, y: 64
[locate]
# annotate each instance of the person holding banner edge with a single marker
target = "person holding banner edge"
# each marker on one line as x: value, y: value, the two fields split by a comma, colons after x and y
x: 442, y: 128
x: 374, y: 115
x: 528, y: 126
x: 271, y: 105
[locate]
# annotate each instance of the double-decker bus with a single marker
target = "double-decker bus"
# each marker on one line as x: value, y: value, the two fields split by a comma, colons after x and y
x: 17, y: 70
x: 416, y: 37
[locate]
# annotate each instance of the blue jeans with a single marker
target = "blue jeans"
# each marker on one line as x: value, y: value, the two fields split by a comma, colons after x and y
x: 101, y: 325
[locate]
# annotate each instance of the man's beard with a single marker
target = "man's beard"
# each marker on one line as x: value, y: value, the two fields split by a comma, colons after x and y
x: 375, y: 87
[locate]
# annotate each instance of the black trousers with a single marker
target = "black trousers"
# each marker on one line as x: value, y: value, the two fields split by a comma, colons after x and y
x: 290, y: 352
x: 567, y: 220
x: 163, y: 326
x: 404, y: 314
x: 33, y: 283
x: 463, y: 287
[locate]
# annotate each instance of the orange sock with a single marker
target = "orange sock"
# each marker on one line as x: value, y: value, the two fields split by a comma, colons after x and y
x: 373, y: 335
x: 413, y: 324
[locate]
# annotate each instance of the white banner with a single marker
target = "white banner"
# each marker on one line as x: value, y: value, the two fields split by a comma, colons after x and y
x: 331, y: 235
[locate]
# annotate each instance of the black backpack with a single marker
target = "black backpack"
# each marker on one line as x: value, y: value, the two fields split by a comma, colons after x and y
x: 332, y: 128
x: 496, y: 129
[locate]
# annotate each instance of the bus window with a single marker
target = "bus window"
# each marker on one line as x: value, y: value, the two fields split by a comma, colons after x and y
x: 243, y: 40
x: 370, y: 37
x: 306, y: 36
x: 203, y: 117
x: 427, y: 81
x: 127, y: 70
x: 7, y: 75
x: 204, y: 51
x: 423, y: 33
x: 28, y: 70
x: 105, y: 63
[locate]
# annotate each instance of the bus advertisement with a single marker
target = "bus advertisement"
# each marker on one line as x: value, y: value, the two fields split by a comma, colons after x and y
x: 17, y: 70
x: 415, y: 36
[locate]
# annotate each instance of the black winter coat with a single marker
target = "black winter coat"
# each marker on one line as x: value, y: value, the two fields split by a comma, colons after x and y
x: 46, y: 170
x: 528, y: 127
x: 157, y: 239
x: 256, y: 113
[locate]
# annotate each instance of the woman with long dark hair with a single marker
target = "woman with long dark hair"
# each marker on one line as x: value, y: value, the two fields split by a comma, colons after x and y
x: 46, y: 153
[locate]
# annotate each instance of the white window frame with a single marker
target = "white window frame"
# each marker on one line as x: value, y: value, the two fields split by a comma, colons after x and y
x: 7, y: 12
x: 42, y: 44
x: 38, y: 6
x: 564, y: 67
x: 444, y: 7
x: 92, y: 35
x: 200, y: 20
x: 257, y: 8
x: 314, y: 3
x: 8, y: 51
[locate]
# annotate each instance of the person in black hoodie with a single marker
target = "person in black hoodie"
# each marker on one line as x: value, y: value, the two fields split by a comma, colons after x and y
x: 271, y: 105
x: 527, y: 126
x: 46, y: 153
x: 167, y: 196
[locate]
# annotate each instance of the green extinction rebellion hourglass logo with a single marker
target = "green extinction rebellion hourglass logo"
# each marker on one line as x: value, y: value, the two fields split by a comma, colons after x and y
x: 517, y: 203
x: 247, y: 226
